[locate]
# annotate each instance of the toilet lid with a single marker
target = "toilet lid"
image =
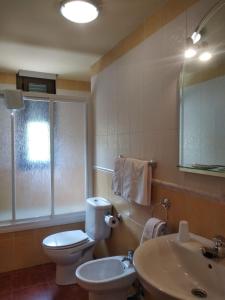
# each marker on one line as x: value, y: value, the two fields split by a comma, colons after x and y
x: 65, y: 239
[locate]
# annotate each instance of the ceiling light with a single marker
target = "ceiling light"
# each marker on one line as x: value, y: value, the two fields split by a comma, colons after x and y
x: 196, y: 36
x: 190, y: 50
x: 79, y: 11
x: 205, y: 56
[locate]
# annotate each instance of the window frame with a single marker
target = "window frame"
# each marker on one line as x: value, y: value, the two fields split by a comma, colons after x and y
x: 53, y: 220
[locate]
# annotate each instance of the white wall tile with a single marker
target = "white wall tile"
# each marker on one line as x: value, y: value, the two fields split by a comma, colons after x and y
x: 139, y: 95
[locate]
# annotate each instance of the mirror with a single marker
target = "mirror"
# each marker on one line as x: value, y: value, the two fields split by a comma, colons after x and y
x: 202, y: 100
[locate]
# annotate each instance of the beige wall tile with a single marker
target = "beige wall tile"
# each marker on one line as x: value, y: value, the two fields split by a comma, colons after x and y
x: 205, y: 216
x: 23, y: 249
x: 6, y: 252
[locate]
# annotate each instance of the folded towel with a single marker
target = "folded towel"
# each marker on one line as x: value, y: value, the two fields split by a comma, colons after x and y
x: 117, y: 178
x: 136, y: 183
x: 153, y: 228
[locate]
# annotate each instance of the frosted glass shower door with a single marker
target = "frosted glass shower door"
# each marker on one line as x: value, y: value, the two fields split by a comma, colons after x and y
x: 69, y: 156
x: 32, y: 160
x: 5, y: 163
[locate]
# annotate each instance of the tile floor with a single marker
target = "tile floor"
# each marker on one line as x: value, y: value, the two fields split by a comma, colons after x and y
x: 37, y: 283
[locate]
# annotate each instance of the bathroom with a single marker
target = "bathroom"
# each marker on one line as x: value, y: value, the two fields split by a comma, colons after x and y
x: 132, y: 105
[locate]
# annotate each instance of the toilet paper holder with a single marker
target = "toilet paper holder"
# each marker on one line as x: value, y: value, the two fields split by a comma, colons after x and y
x: 112, y: 220
x: 118, y: 216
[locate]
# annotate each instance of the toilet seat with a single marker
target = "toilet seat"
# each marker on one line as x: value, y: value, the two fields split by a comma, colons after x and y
x: 65, y: 239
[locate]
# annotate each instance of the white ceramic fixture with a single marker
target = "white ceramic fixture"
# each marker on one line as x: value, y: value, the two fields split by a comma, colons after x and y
x: 107, y: 278
x: 172, y: 270
x: 79, y: 11
x: 69, y: 249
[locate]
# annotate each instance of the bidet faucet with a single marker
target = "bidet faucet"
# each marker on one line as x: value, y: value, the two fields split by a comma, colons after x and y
x: 218, y: 250
x: 129, y: 256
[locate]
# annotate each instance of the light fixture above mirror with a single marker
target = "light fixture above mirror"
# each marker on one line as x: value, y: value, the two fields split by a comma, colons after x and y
x: 79, y: 11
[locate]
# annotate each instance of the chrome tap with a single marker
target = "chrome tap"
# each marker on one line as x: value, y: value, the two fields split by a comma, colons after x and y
x: 129, y: 256
x: 218, y: 250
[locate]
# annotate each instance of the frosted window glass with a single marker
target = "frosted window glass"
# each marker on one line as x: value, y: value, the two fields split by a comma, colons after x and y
x: 70, y: 157
x: 32, y: 167
x: 5, y: 164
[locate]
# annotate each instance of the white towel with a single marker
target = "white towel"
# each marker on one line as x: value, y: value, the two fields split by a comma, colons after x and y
x: 154, y: 227
x: 160, y: 229
x: 117, y: 178
x: 136, y: 181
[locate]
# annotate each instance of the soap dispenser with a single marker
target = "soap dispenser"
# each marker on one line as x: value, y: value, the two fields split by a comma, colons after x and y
x: 183, y: 233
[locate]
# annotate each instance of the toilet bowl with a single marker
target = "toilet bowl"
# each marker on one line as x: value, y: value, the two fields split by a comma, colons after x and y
x: 68, y: 249
x: 106, y: 278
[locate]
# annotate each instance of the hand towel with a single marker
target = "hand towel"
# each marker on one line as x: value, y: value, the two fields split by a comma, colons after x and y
x: 117, y: 178
x: 160, y: 229
x: 136, y: 181
x: 152, y: 229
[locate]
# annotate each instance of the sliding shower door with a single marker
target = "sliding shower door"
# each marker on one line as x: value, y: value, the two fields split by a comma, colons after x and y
x: 5, y: 163
x: 69, y: 157
x: 42, y: 159
x: 32, y: 160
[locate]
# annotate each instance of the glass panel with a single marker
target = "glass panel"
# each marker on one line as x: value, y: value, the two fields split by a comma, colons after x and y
x: 32, y: 170
x: 5, y: 163
x: 70, y: 157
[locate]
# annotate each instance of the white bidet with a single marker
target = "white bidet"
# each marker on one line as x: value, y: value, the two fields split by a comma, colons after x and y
x: 107, y: 278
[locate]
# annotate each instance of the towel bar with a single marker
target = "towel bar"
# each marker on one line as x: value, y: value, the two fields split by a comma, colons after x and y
x: 151, y: 163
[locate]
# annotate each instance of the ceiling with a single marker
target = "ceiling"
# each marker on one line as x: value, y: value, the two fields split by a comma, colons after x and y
x: 34, y: 36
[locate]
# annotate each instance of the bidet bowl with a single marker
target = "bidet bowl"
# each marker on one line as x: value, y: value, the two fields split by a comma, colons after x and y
x: 106, y: 278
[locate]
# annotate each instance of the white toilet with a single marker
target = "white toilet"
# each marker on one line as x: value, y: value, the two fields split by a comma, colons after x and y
x: 106, y: 278
x: 69, y: 249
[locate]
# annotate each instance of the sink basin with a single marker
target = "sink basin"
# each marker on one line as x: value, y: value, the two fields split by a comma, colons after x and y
x: 172, y: 270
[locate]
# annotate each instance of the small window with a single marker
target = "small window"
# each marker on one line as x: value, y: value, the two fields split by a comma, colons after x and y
x: 32, y: 130
x: 32, y: 84
x: 38, y: 145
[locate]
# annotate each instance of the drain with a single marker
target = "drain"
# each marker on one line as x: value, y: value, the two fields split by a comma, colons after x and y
x: 199, y: 293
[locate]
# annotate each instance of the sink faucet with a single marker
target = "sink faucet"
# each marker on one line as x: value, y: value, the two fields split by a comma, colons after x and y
x: 129, y: 256
x: 218, y: 250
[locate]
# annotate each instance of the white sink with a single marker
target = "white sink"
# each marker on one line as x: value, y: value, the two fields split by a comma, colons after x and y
x: 170, y: 270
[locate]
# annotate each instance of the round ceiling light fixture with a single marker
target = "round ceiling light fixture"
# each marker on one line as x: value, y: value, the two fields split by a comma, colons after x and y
x: 79, y: 11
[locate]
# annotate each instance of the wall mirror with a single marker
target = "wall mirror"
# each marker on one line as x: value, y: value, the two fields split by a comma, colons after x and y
x: 202, y: 97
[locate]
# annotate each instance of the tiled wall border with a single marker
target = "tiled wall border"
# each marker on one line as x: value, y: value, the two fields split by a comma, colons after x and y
x: 176, y: 187
x: 161, y: 17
